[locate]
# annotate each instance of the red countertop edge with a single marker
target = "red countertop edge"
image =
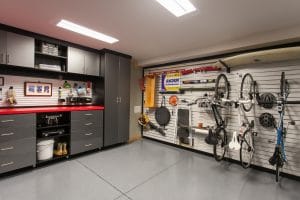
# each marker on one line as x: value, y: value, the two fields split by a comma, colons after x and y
x: 13, y: 111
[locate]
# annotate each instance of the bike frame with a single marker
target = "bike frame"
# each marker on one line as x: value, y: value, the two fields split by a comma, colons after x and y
x: 280, y: 129
x: 218, y: 117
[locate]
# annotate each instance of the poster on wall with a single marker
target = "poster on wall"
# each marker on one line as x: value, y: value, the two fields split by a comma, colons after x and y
x: 37, y: 89
x: 170, y: 82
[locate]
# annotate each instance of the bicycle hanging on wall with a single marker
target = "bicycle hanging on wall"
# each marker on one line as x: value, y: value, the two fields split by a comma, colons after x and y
x: 218, y: 136
x: 279, y: 157
x: 243, y: 141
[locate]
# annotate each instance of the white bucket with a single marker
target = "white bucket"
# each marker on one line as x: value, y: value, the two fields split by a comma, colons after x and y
x: 45, y: 149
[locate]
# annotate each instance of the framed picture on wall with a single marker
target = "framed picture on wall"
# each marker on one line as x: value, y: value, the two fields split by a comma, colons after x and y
x: 1, y: 81
x: 37, y: 89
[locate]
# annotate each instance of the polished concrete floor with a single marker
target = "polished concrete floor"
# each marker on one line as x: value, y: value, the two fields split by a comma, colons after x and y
x: 145, y: 170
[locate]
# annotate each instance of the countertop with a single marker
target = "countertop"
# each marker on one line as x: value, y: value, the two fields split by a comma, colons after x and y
x: 27, y: 110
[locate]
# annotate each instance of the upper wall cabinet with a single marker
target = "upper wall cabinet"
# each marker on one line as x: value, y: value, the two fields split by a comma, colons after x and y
x: 83, y: 62
x: 16, y: 49
x: 50, y: 56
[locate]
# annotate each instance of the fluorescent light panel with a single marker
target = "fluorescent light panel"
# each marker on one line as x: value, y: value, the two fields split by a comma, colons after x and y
x: 178, y: 7
x: 86, y: 31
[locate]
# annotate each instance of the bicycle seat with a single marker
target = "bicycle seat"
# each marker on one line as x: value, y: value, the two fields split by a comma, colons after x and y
x: 276, y: 158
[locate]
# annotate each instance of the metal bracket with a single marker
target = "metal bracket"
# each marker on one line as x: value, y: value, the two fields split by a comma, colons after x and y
x: 225, y: 65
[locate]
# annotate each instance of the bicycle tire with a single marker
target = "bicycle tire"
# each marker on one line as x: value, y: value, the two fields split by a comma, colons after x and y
x: 250, y: 91
x: 220, y: 148
x: 282, y: 84
x: 277, y: 172
x: 221, y: 92
x: 246, y: 148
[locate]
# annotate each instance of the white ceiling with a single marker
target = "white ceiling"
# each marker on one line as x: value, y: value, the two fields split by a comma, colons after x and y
x: 151, y: 34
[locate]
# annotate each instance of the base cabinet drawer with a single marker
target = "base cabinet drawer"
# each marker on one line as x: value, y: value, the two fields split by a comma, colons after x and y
x: 84, y: 135
x: 17, y: 154
x: 13, y: 133
x: 16, y: 120
x: 87, y: 116
x: 80, y: 146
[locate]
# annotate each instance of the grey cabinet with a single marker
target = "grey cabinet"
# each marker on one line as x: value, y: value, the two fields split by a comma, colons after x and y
x: 75, y: 60
x: 86, y: 131
x: 2, y: 47
x: 16, y: 49
x: 116, y: 72
x: 92, y: 63
x: 83, y: 62
x: 17, y: 142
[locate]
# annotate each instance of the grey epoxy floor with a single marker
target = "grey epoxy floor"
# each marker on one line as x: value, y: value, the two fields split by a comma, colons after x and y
x: 146, y: 170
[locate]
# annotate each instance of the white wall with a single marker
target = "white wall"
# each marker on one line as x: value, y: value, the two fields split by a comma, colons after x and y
x: 18, y: 84
x: 268, y: 78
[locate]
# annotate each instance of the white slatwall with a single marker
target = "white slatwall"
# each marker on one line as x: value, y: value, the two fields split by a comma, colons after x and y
x: 268, y: 79
x: 18, y: 83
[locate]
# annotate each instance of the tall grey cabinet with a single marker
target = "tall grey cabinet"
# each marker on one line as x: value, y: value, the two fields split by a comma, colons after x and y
x: 116, y: 72
x: 16, y: 49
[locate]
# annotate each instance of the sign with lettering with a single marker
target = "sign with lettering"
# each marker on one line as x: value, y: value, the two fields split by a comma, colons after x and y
x: 170, y: 81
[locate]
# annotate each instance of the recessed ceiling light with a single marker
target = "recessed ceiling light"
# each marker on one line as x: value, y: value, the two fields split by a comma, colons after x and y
x: 85, y: 31
x: 178, y: 7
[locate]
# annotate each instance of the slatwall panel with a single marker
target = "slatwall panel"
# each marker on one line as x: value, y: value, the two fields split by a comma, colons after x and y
x: 268, y: 79
x: 18, y: 83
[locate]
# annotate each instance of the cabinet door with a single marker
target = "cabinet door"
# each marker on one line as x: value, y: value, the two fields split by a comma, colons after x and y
x: 92, y: 63
x: 124, y: 94
x: 110, y: 102
x: 75, y: 60
x: 2, y: 47
x: 19, y: 50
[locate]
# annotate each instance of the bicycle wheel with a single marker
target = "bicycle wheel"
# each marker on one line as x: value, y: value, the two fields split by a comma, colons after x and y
x: 222, y: 87
x: 247, y: 91
x: 247, y: 149
x: 221, y: 146
x: 277, y: 171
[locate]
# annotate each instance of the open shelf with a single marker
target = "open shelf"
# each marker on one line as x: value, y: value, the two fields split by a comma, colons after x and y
x: 53, y: 127
x: 54, y: 136
x: 50, y: 55
x: 55, y: 158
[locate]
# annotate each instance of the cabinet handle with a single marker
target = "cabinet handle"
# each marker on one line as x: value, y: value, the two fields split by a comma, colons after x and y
x: 117, y: 100
x: 7, y: 58
x: 7, y: 164
x: 7, y: 134
x: 88, y: 134
x: 88, y: 145
x: 8, y: 148
x: 120, y: 100
x: 8, y: 120
x: 88, y: 124
x: 88, y: 114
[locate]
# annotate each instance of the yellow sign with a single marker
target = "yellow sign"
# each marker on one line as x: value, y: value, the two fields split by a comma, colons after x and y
x: 170, y: 81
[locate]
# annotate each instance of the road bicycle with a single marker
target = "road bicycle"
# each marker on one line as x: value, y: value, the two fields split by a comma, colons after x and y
x: 244, y: 141
x: 247, y: 133
x: 279, y: 157
x: 218, y: 136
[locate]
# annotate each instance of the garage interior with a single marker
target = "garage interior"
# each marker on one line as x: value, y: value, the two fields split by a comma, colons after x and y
x: 156, y: 99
